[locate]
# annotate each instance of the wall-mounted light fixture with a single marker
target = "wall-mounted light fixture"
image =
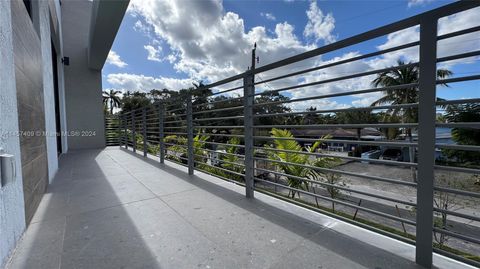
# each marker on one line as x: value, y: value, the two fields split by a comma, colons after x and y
x: 7, y: 168
x: 66, y: 60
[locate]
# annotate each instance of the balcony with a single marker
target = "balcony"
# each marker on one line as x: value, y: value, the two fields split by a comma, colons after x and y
x: 116, y: 209
x: 244, y: 173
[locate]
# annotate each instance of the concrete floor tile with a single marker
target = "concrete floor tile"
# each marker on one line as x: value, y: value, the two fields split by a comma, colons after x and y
x: 41, y: 246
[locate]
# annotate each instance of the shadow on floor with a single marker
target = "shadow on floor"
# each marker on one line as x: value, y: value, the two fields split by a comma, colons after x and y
x: 352, y: 249
x: 80, y: 223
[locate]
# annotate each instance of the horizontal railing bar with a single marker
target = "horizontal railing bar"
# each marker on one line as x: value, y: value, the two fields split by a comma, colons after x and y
x: 220, y: 160
x: 174, y: 121
x: 218, y: 110
x: 459, y: 79
x: 319, y: 182
x: 353, y: 59
x: 459, y: 147
x: 345, y: 126
x: 409, y: 164
x: 171, y: 144
x: 175, y: 115
x: 152, y: 112
x: 185, y: 158
x: 175, y: 127
x: 475, y: 125
x: 338, y: 110
x: 385, y: 215
x: 396, y: 87
x: 458, y: 169
x: 219, y: 118
x: 150, y: 119
x: 456, y: 191
x: 225, y: 91
x: 220, y: 177
x: 222, y: 169
x: 359, y: 142
x: 362, y: 74
x: 458, y: 56
x: 459, y: 101
x: 175, y: 161
x: 174, y: 138
x: 457, y: 214
x: 457, y: 235
x: 222, y: 135
x: 219, y: 152
x: 329, y: 170
x: 223, y: 144
x: 219, y: 101
x: 457, y: 33
x: 173, y: 133
x: 218, y: 127
x: 177, y: 109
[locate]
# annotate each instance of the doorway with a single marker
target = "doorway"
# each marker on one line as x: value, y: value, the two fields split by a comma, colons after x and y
x: 57, y: 99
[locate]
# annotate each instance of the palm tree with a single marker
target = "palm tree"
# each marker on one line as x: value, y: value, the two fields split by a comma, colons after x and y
x: 111, y: 96
x: 403, y: 75
x: 294, y: 163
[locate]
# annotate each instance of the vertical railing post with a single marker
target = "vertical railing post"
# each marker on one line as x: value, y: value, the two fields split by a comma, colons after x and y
x: 144, y: 131
x: 119, y: 131
x: 248, y: 101
x: 161, y: 132
x: 248, y: 92
x: 426, y: 139
x: 125, y: 134
x: 134, y: 132
x: 190, y: 135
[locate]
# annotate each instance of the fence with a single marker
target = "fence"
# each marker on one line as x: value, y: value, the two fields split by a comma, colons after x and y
x: 242, y: 129
x: 112, y: 131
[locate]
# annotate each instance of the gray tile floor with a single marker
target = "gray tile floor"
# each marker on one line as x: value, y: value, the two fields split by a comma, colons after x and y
x: 115, y: 209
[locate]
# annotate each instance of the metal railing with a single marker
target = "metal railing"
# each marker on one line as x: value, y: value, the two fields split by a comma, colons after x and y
x: 233, y: 132
x: 112, y: 130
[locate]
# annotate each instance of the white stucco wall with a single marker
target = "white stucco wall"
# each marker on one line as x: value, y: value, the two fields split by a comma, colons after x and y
x: 48, y: 88
x: 12, y: 215
x: 83, y: 86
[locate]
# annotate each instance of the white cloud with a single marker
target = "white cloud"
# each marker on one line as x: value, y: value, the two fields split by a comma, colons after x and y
x: 114, y: 59
x: 133, y: 82
x: 450, y: 46
x: 154, y: 53
x: 412, y: 3
x: 208, y: 43
x: 268, y: 16
x: 319, y: 26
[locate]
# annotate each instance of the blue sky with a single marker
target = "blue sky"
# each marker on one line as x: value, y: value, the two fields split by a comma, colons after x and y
x: 169, y: 44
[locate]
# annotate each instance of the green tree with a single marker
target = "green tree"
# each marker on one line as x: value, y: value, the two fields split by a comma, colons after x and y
x: 135, y: 100
x: 112, y: 98
x: 464, y: 136
x: 272, y: 104
x: 293, y: 162
x: 408, y: 95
